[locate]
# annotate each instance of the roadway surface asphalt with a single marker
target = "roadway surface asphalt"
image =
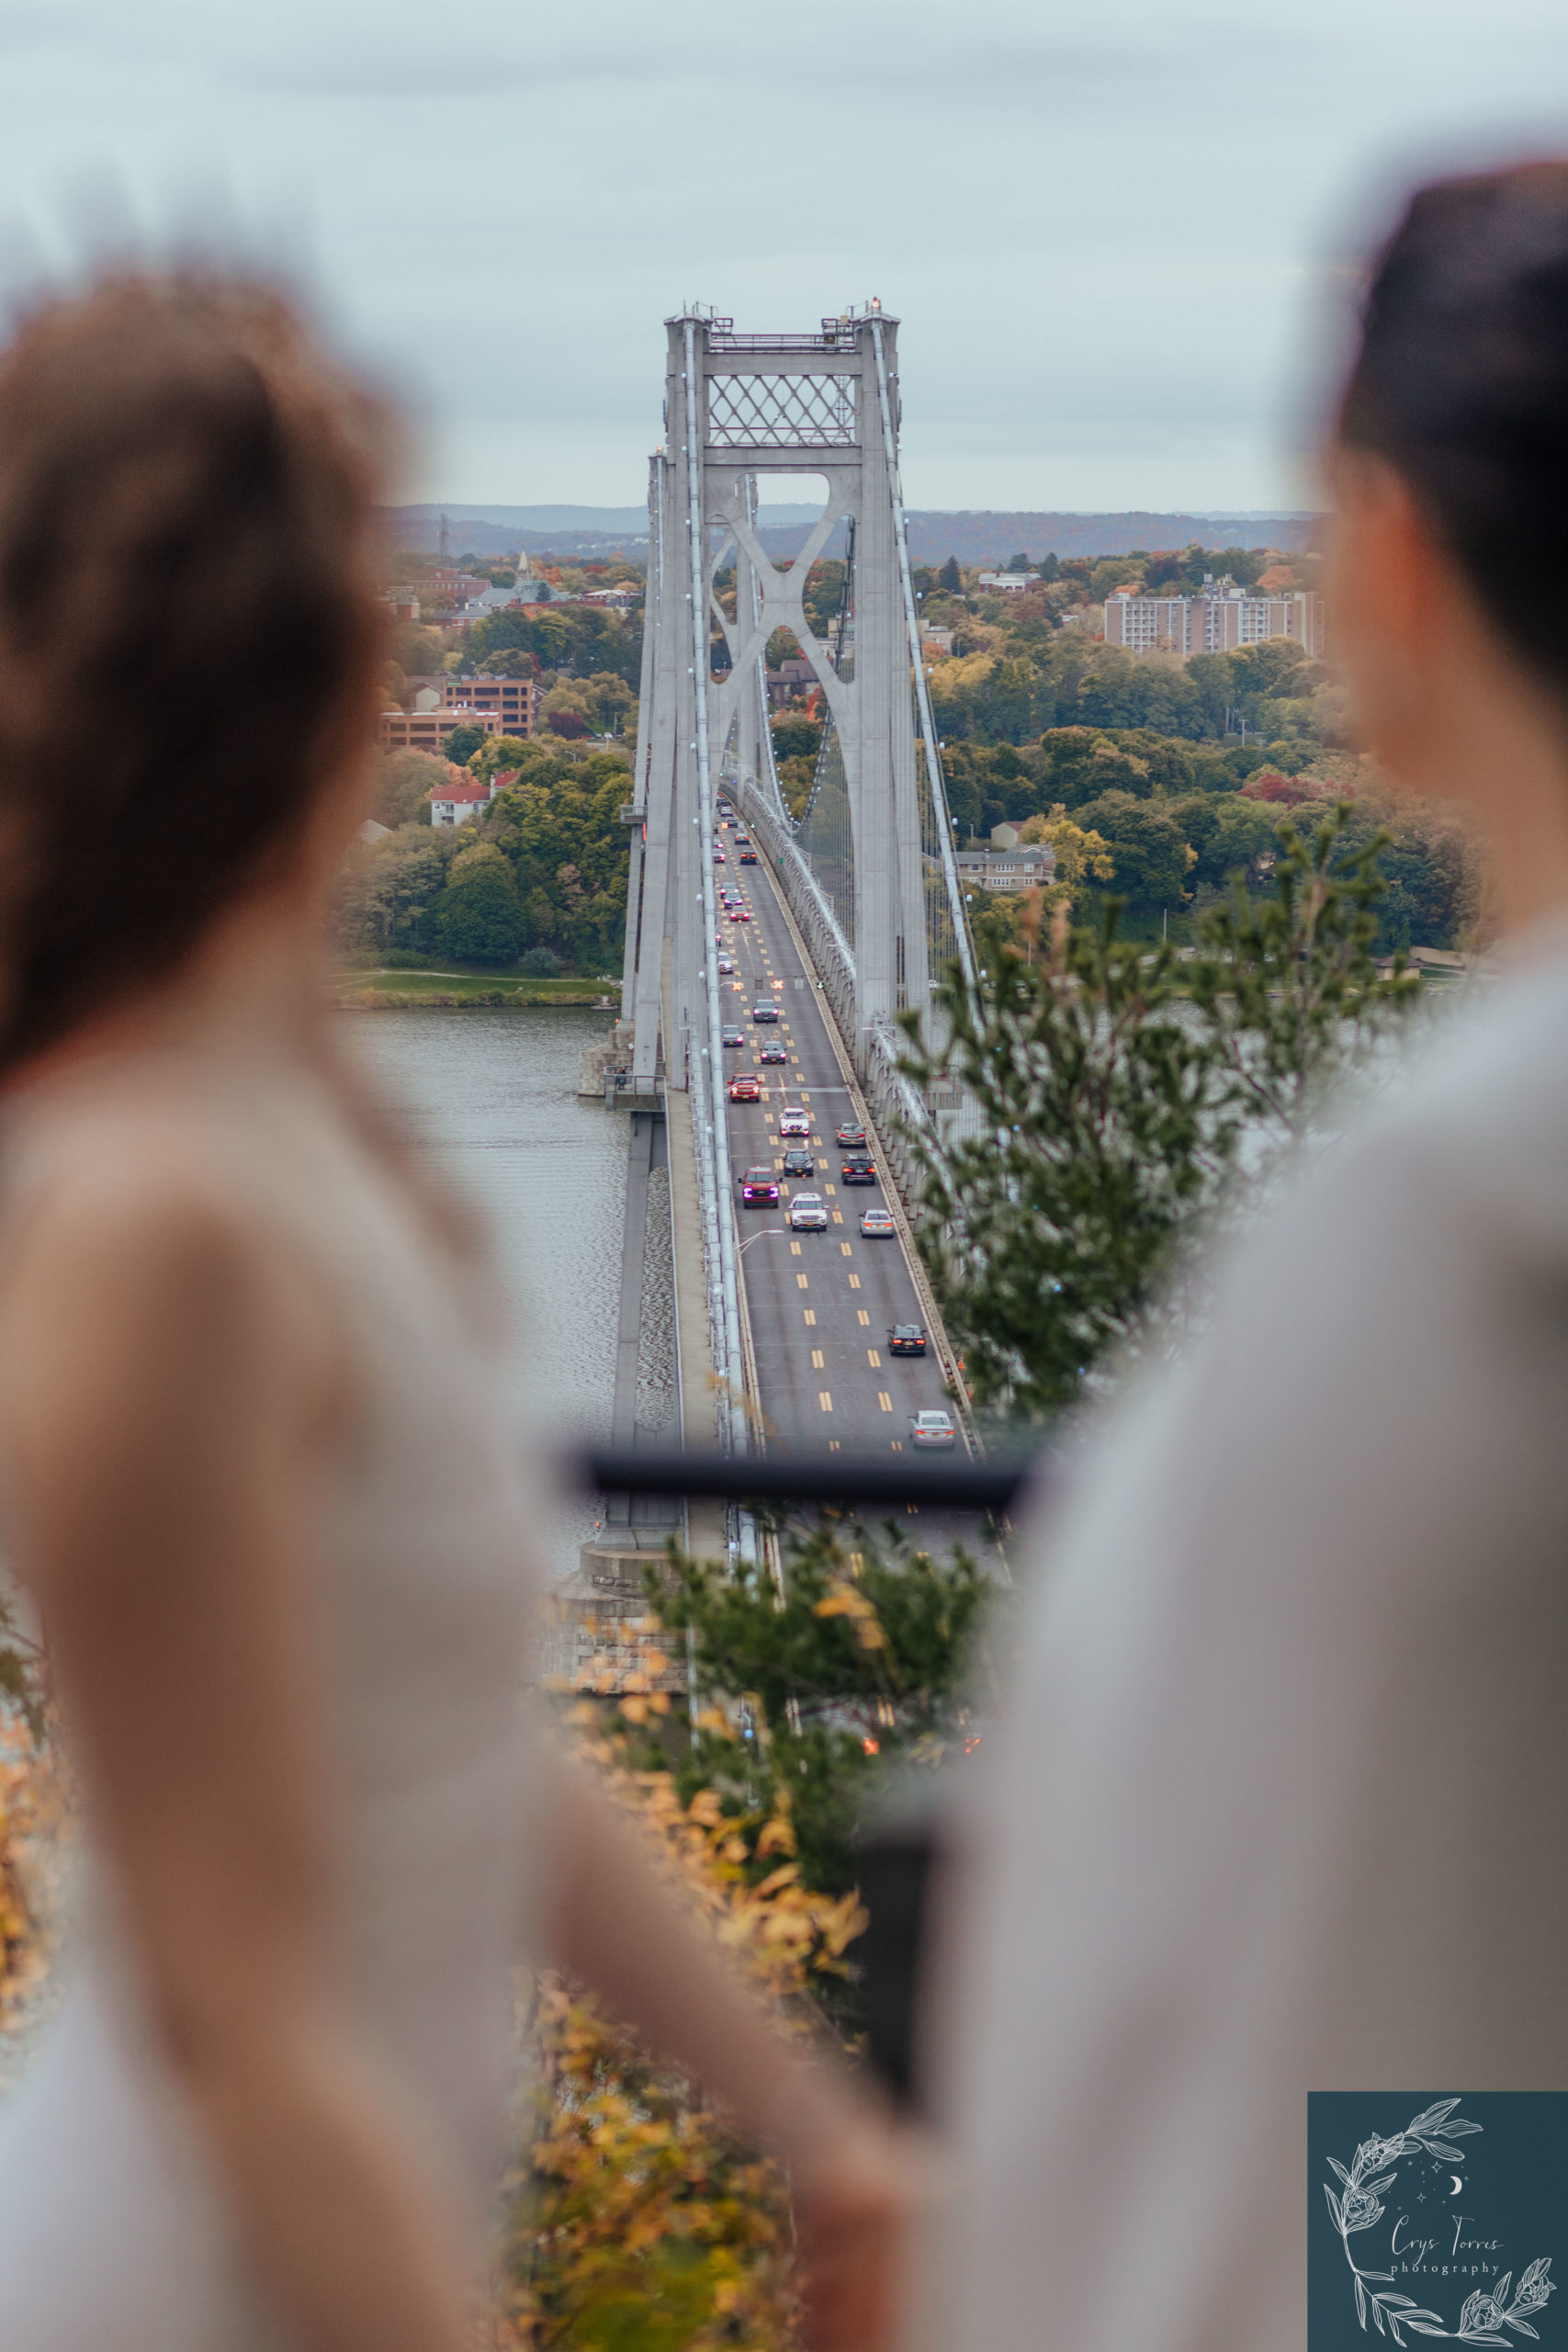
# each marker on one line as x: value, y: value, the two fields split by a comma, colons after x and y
x: 821, y: 1304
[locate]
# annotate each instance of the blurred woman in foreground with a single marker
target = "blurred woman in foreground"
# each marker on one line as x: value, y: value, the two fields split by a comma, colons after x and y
x: 252, y: 1465
x: 1283, y: 1801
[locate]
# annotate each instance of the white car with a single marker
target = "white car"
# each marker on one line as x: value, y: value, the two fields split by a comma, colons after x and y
x: 794, y: 1123
x: 725, y: 966
x: 934, y: 1428
x: 879, y: 1224
x: 808, y: 1213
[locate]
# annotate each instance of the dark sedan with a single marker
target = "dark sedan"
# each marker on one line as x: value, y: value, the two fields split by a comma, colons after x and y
x: 907, y: 1340
x: 732, y: 1036
x: 858, y: 1168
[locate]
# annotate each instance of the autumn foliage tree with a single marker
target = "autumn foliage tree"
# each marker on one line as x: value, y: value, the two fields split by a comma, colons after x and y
x: 638, y: 2216
x: 1114, y: 1084
x: 861, y: 1659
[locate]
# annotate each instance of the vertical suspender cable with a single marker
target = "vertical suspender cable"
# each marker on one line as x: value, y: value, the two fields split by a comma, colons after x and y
x: 730, y: 1370
x: 911, y: 624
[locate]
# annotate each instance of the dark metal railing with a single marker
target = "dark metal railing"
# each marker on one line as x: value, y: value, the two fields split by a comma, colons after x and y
x: 837, y: 1481
x: 833, y: 339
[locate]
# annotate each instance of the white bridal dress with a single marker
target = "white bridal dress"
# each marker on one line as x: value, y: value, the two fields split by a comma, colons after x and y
x: 1281, y: 1799
x: 113, y: 2228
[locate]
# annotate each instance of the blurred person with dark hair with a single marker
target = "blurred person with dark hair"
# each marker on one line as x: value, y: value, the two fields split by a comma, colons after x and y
x: 1280, y: 1804
x: 252, y: 1468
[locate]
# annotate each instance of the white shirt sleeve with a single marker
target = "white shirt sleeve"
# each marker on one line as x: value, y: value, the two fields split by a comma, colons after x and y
x: 1281, y: 1799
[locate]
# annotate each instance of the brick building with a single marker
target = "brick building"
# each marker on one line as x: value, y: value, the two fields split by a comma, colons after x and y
x: 500, y: 706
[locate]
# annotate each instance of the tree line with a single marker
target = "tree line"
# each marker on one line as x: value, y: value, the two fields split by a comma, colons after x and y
x: 537, y: 878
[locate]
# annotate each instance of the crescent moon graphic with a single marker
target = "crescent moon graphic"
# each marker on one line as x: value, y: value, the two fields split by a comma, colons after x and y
x: 1457, y: 2187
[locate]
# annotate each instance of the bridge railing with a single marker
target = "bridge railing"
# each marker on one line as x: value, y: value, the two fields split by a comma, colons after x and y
x: 894, y: 1104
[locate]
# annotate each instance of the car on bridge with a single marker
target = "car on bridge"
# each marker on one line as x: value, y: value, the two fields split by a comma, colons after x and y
x: 933, y: 1428
x: 799, y: 1163
x: 742, y: 838
x: 718, y: 856
x: 850, y: 1136
x: 858, y: 1168
x: 907, y: 1340
x: 748, y: 857
x: 808, y: 1213
x: 775, y: 1050
x: 794, y: 1123
x: 739, y: 914
x: 877, y: 1225
x: 764, y: 1009
x: 732, y: 1036
x: 725, y: 966
x: 745, y: 1087
x: 759, y: 1189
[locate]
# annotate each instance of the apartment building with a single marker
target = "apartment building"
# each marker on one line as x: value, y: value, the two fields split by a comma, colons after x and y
x: 514, y: 701
x: 1222, y: 619
x: 500, y: 706
x: 1144, y: 624
x: 426, y: 730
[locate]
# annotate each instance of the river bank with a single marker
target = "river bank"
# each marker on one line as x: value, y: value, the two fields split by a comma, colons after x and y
x: 381, y: 989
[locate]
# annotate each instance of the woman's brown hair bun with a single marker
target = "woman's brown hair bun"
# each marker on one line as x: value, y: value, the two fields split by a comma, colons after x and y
x: 189, y: 632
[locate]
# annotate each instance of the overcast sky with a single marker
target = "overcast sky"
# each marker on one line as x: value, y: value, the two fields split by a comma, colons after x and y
x: 1113, y: 234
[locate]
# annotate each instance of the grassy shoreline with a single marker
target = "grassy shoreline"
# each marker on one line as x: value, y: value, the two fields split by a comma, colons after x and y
x: 454, y: 991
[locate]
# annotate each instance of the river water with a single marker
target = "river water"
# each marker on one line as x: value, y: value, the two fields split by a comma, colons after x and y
x: 495, y: 1097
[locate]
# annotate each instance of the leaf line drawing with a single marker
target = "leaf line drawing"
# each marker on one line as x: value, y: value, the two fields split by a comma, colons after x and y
x: 1488, y: 2311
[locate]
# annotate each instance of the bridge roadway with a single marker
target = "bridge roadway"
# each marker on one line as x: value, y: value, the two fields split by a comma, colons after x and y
x: 819, y: 1303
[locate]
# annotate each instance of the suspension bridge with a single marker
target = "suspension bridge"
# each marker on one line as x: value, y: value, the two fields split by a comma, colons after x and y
x: 851, y: 909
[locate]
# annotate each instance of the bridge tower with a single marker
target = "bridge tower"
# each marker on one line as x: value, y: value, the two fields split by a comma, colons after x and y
x: 869, y: 870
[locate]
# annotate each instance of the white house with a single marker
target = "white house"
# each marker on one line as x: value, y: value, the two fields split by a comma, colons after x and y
x: 1007, y: 863
x: 456, y: 803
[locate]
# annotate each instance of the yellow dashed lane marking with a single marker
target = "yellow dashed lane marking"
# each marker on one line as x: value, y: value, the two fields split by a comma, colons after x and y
x: 817, y: 1359
x: 845, y: 1247
x: 823, y: 1400
x: 873, y: 1357
x: 883, y: 1399
x: 803, y: 1282
x: 854, y: 1281
x: 810, y: 1313
x: 863, y: 1317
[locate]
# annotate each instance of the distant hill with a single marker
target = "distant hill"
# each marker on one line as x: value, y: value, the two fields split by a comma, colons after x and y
x: 560, y: 530
x: 934, y: 534
x: 992, y: 538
